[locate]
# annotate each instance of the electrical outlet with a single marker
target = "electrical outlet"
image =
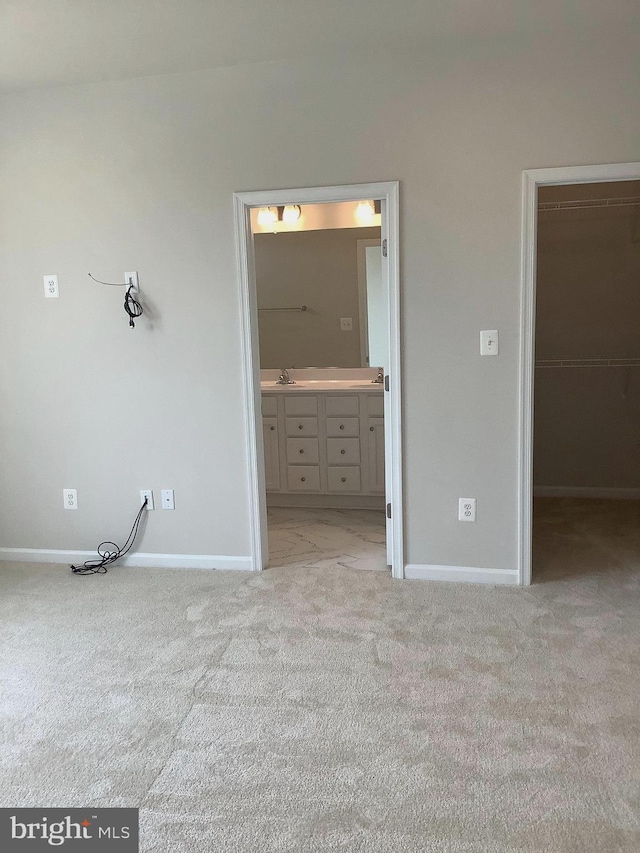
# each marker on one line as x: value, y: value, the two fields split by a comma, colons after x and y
x: 148, y: 494
x: 132, y: 279
x: 51, y: 286
x: 346, y: 324
x: 70, y: 498
x: 168, y: 501
x: 466, y: 509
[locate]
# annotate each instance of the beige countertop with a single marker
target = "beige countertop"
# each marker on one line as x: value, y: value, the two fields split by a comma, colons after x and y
x: 316, y: 386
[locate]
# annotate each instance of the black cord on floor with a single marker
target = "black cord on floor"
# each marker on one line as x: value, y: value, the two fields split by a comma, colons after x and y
x: 107, y: 555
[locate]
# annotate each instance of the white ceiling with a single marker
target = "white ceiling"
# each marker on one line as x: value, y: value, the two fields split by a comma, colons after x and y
x: 55, y: 42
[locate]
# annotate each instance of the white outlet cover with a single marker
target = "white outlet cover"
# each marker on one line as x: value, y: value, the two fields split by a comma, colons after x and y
x: 70, y: 498
x: 466, y: 509
x: 168, y: 501
x: 51, y: 286
x: 346, y: 324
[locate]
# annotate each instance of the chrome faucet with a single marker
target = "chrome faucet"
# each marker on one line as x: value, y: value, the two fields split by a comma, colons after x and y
x: 284, y: 378
x: 379, y: 378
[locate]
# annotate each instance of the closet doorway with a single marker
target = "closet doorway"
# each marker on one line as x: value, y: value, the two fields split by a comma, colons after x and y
x: 580, y: 470
x: 298, y: 337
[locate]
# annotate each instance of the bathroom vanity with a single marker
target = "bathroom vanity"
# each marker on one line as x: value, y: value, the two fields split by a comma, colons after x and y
x: 324, y: 443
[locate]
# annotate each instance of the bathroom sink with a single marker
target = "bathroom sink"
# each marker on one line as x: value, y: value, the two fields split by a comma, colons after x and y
x: 335, y: 383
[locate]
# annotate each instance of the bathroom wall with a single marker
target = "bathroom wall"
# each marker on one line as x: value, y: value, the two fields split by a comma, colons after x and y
x: 318, y: 269
x: 587, y: 419
x: 140, y: 174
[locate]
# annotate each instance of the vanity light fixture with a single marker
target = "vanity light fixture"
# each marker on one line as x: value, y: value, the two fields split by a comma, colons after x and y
x: 365, y: 211
x: 291, y: 213
x: 267, y: 216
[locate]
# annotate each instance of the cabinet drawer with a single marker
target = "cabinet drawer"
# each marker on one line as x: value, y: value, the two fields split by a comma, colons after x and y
x: 343, y: 451
x: 269, y: 405
x: 343, y: 426
x: 302, y: 426
x: 375, y: 406
x: 302, y: 450
x: 344, y: 479
x: 301, y: 405
x: 303, y: 478
x: 342, y: 405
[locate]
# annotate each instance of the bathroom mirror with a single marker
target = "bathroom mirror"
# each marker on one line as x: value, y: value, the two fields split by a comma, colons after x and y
x: 319, y: 291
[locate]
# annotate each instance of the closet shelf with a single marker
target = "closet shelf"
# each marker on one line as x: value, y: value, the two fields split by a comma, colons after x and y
x: 588, y: 203
x: 588, y: 362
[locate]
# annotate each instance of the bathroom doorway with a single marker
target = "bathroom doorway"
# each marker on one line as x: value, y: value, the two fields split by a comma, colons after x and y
x: 323, y: 422
x: 580, y: 470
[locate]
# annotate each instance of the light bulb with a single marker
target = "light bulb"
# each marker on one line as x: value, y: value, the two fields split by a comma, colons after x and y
x: 365, y: 211
x: 291, y: 213
x: 267, y: 216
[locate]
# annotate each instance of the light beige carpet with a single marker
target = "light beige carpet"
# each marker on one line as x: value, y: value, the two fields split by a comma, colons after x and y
x: 326, y: 709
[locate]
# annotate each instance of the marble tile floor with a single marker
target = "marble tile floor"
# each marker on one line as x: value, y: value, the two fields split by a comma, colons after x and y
x: 308, y: 537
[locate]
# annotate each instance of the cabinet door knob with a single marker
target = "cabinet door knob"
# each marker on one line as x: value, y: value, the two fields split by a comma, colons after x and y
x: 302, y: 479
x: 344, y: 479
x: 343, y: 451
x: 371, y: 429
x: 301, y: 451
x: 341, y: 426
x: 272, y: 428
x: 300, y: 426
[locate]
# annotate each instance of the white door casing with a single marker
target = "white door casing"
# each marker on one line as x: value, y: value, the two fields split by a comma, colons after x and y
x: 388, y: 194
x: 531, y: 180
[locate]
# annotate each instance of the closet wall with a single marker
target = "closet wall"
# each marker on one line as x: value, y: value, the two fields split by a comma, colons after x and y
x: 587, y: 389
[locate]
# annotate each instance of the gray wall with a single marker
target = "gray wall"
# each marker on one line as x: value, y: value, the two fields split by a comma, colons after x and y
x: 139, y: 174
x: 587, y: 420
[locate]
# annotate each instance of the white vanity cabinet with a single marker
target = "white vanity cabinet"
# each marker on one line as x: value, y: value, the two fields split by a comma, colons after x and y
x: 324, y: 444
x: 271, y: 443
x: 375, y: 444
x: 271, y: 453
x: 301, y: 462
x: 375, y: 454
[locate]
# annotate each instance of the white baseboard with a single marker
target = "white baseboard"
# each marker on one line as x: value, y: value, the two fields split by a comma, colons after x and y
x: 465, y: 574
x: 165, y: 561
x: 586, y: 492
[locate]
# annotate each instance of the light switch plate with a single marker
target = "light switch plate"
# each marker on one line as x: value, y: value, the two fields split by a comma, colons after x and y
x: 489, y: 342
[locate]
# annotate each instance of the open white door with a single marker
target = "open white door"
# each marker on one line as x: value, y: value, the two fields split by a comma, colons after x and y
x: 377, y: 327
x: 382, y: 311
